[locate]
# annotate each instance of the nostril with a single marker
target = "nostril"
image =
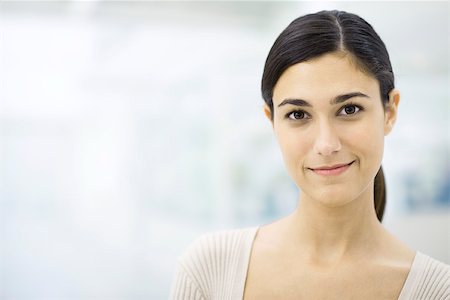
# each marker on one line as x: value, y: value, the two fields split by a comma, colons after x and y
x: 327, y: 146
x: 327, y: 139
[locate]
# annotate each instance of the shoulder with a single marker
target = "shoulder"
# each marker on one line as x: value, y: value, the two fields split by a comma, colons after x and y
x: 432, y: 269
x: 210, y: 247
x: 217, y: 261
x: 428, y: 279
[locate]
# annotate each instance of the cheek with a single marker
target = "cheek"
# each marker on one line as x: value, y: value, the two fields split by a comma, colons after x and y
x: 294, y: 146
x: 368, y: 141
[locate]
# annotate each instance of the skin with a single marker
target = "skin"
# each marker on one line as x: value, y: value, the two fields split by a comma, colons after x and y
x: 332, y: 246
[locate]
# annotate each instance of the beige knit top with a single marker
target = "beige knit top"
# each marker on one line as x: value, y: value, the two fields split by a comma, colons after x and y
x: 215, y: 267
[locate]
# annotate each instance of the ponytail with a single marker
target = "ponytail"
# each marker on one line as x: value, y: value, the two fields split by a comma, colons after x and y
x: 379, y: 194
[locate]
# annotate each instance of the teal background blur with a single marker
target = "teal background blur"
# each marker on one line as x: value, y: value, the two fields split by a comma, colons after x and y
x: 127, y: 129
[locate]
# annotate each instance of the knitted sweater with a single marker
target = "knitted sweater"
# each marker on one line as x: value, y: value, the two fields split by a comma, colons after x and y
x: 215, y: 267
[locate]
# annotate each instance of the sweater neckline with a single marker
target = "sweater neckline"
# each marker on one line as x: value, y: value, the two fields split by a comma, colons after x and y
x: 407, y: 285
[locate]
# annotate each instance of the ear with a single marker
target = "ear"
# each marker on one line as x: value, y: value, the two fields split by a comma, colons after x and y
x: 268, y: 113
x: 390, y: 112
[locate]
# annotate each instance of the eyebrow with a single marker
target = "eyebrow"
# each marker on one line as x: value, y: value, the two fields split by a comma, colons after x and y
x: 336, y: 100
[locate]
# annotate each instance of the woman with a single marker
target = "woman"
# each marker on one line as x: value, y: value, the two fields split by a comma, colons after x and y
x: 329, y: 94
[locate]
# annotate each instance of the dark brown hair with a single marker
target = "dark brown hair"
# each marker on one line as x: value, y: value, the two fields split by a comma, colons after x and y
x: 316, y: 34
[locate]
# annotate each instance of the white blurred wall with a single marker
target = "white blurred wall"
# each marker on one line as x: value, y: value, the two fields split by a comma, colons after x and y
x: 129, y: 128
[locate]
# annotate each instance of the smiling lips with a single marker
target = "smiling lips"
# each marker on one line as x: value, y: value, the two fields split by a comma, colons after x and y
x: 331, y: 170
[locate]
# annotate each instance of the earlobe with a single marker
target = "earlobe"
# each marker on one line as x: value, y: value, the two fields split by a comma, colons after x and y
x: 391, y: 111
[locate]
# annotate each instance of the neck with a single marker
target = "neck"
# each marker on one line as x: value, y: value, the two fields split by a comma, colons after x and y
x: 332, y: 234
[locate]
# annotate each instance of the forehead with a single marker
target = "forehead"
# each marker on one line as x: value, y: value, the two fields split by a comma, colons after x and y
x: 323, y: 78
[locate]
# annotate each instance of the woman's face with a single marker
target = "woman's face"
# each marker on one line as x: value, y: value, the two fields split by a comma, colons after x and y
x: 330, y: 124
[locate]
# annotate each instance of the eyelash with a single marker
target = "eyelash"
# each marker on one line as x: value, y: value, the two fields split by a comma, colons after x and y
x: 358, y: 107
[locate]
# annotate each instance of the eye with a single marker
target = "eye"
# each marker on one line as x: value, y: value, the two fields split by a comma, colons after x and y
x: 297, y: 115
x: 350, y: 110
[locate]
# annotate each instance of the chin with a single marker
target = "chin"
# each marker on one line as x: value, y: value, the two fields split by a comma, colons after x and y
x: 331, y: 196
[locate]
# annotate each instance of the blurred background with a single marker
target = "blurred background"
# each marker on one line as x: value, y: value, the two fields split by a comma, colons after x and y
x: 127, y: 129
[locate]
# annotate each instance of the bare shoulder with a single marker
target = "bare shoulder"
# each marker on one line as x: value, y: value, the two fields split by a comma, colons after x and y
x: 393, y: 252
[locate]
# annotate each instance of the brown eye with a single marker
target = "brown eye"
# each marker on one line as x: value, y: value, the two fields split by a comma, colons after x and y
x: 350, y: 110
x: 297, y: 115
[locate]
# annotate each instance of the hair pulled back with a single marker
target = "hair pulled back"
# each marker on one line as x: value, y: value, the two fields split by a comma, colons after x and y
x: 313, y: 35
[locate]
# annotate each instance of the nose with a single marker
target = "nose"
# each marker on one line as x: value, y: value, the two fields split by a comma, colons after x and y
x: 327, y: 140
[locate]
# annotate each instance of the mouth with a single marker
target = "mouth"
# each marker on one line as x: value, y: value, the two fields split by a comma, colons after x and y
x: 332, y: 170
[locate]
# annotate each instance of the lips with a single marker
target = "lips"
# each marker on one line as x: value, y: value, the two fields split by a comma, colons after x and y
x: 332, y: 170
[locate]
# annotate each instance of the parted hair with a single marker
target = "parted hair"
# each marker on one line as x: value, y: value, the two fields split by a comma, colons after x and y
x: 313, y: 35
